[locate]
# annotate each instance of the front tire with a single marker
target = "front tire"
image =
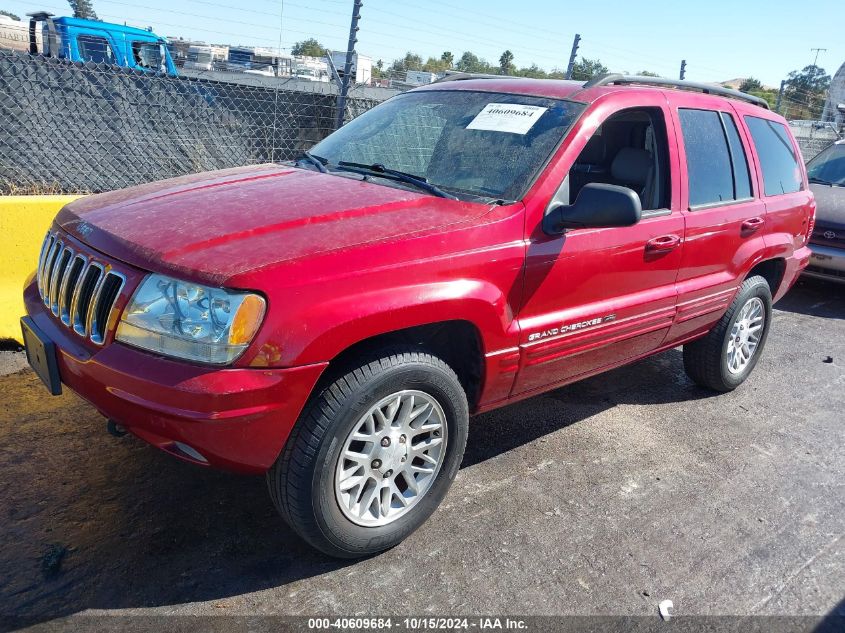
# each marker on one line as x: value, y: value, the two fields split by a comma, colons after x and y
x: 727, y: 355
x: 373, y: 454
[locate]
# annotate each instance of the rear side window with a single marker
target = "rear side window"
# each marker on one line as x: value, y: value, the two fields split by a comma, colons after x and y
x: 95, y: 49
x: 778, y: 158
x: 716, y: 163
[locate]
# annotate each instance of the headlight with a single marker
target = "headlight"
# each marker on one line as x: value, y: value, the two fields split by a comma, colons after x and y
x: 190, y: 321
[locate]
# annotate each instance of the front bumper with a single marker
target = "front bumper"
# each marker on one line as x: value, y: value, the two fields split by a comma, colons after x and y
x: 826, y: 262
x: 232, y: 418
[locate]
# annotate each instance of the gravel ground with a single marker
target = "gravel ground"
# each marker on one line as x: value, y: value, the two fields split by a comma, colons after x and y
x: 604, y: 497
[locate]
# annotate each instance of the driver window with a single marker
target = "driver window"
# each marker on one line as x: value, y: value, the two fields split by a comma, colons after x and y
x: 629, y: 149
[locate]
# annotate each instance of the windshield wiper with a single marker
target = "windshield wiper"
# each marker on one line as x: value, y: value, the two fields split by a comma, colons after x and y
x: 819, y: 181
x: 319, y: 164
x: 377, y: 169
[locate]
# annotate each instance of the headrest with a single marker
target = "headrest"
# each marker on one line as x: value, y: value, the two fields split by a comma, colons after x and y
x: 631, y: 166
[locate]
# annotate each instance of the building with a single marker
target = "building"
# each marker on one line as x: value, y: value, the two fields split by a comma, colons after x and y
x: 835, y: 104
x: 419, y: 77
x: 362, y: 66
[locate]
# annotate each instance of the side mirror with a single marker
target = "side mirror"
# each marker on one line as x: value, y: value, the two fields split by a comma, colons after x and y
x: 597, y: 206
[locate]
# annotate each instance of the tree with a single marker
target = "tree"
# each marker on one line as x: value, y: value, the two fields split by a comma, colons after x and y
x: 309, y: 47
x: 471, y: 63
x: 411, y: 61
x: 533, y: 71
x: 647, y: 73
x: 467, y: 63
x: 447, y: 58
x: 585, y: 69
x: 750, y: 85
x: 805, y: 92
x: 9, y: 14
x: 506, y: 66
x: 83, y: 9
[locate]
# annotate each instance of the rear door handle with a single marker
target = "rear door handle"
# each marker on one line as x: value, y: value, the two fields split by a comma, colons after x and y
x: 752, y: 224
x: 663, y: 244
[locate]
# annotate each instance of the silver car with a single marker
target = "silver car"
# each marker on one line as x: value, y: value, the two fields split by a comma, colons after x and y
x: 827, y: 180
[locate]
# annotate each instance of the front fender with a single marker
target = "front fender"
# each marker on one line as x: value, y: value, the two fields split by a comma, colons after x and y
x: 318, y: 332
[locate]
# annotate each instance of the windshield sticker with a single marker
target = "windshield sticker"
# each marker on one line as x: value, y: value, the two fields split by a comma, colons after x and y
x: 513, y: 118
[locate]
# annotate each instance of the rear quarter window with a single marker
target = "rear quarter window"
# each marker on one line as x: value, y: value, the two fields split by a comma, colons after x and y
x: 778, y: 157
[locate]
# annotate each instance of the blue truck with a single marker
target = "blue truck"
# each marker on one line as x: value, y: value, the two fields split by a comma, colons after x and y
x: 81, y: 40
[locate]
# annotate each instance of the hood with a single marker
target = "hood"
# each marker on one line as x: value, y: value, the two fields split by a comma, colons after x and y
x: 216, y: 225
x: 830, y: 205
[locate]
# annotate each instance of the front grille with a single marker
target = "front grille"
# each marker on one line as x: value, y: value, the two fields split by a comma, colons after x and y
x: 80, y: 291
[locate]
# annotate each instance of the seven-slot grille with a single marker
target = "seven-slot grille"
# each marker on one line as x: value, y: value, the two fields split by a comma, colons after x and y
x: 76, y: 288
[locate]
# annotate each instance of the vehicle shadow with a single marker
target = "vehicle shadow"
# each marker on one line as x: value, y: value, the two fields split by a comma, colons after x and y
x: 815, y: 297
x: 656, y: 380
x: 100, y: 523
x: 834, y: 621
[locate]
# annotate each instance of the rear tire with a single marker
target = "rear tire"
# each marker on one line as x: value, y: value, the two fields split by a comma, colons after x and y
x: 363, y: 412
x: 727, y: 355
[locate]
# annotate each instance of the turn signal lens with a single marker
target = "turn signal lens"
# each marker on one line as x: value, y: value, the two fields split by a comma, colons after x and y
x: 247, y: 320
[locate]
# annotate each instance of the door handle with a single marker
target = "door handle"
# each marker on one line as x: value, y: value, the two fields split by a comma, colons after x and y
x: 751, y: 225
x: 663, y: 244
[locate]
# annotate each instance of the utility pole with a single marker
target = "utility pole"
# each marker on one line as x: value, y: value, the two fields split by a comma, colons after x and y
x: 347, y: 68
x: 780, y: 95
x: 683, y: 69
x: 572, y: 56
x: 818, y: 50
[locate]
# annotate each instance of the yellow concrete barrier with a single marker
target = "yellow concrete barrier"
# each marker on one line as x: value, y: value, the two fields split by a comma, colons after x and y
x: 23, y: 222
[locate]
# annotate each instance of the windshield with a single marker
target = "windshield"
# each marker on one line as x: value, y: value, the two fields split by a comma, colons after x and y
x: 828, y: 166
x: 486, y: 144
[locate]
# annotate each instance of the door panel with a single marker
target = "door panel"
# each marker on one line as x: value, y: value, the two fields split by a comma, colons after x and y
x: 598, y: 297
x: 595, y: 297
x: 717, y: 251
x: 721, y: 243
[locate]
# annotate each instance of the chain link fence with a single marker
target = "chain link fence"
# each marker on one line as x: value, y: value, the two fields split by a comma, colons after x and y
x: 81, y: 128
x: 814, y: 136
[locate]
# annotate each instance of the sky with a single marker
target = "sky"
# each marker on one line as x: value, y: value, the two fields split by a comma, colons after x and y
x: 719, y: 39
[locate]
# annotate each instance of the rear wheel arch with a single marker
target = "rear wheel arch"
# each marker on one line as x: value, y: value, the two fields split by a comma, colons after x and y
x: 772, y: 270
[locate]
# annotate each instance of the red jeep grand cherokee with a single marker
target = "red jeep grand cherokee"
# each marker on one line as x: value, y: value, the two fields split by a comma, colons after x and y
x: 333, y: 322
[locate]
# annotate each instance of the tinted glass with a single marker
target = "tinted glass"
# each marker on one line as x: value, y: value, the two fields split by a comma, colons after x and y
x: 742, y: 180
x: 469, y: 143
x: 147, y: 54
x: 829, y: 166
x: 778, y: 159
x: 708, y: 158
x: 95, y: 49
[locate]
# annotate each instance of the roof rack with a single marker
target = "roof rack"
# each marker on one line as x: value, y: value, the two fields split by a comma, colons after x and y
x: 461, y: 76
x: 617, y: 79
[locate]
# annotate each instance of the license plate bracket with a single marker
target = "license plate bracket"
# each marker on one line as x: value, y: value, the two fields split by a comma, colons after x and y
x: 41, y: 355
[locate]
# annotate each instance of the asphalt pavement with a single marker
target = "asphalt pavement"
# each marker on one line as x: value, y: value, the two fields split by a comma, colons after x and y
x: 601, y: 498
